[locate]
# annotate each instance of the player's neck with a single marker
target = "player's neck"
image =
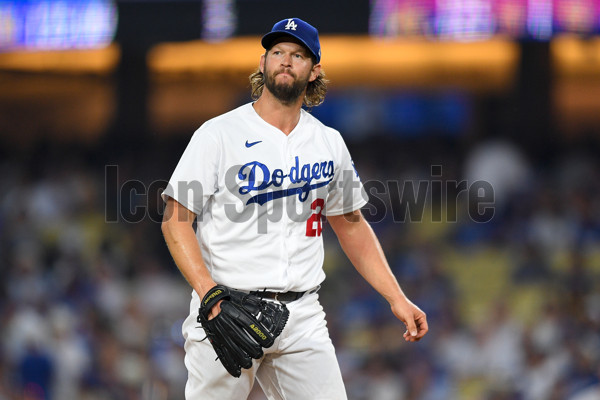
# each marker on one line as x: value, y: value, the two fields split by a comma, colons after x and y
x: 282, y: 116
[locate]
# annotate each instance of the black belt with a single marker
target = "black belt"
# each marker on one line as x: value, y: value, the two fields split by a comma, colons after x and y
x: 282, y: 296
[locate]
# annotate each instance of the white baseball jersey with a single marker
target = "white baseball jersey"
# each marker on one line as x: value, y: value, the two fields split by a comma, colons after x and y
x: 259, y: 195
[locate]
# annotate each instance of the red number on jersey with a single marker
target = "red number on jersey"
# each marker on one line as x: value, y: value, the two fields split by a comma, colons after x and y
x: 313, y: 224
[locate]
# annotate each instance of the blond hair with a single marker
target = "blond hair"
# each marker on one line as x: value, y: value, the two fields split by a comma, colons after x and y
x: 315, y: 92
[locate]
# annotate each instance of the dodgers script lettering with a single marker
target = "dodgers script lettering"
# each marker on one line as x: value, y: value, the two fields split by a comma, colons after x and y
x: 256, y: 176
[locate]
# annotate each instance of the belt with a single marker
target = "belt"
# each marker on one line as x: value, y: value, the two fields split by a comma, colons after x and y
x: 284, y: 297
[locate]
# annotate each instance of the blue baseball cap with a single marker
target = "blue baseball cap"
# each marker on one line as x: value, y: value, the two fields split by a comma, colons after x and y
x: 295, y: 27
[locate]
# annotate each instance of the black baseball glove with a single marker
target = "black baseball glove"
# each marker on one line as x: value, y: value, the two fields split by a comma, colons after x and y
x: 244, y: 326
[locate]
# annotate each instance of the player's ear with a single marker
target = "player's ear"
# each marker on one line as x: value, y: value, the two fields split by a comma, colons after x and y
x: 314, y: 74
x: 261, y: 64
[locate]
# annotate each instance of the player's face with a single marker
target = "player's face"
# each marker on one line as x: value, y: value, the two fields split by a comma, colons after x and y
x: 288, y: 68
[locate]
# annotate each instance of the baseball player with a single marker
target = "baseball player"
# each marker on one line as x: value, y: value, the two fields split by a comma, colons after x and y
x: 258, y: 180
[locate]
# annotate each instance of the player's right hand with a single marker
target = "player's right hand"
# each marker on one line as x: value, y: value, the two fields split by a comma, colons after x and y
x: 215, y: 310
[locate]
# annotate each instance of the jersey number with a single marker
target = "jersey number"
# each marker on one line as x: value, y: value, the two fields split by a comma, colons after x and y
x: 313, y: 224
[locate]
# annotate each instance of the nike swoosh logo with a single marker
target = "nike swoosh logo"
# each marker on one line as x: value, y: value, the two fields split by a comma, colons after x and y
x: 253, y: 143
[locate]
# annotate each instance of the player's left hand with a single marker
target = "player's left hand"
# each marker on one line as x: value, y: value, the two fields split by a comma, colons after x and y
x: 413, y: 317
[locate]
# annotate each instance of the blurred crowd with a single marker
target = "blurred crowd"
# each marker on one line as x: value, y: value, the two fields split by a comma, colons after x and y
x: 91, y: 309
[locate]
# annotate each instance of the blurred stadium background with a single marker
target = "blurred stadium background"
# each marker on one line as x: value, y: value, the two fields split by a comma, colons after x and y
x: 98, y: 99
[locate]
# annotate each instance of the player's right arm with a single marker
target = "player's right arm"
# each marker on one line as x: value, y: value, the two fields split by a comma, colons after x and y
x: 185, y: 250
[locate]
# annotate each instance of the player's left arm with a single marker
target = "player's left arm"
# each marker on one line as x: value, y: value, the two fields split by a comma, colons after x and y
x: 362, y: 247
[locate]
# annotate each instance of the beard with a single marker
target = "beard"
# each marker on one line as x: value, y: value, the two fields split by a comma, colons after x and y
x: 287, y: 93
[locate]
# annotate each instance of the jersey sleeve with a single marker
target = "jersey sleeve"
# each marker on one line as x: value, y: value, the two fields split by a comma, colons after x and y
x: 346, y: 191
x: 195, y: 178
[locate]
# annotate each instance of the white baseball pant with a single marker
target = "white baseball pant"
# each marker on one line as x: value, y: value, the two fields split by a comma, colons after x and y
x: 300, y: 365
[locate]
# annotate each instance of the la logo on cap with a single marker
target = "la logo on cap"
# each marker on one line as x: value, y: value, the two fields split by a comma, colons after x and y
x: 291, y: 24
